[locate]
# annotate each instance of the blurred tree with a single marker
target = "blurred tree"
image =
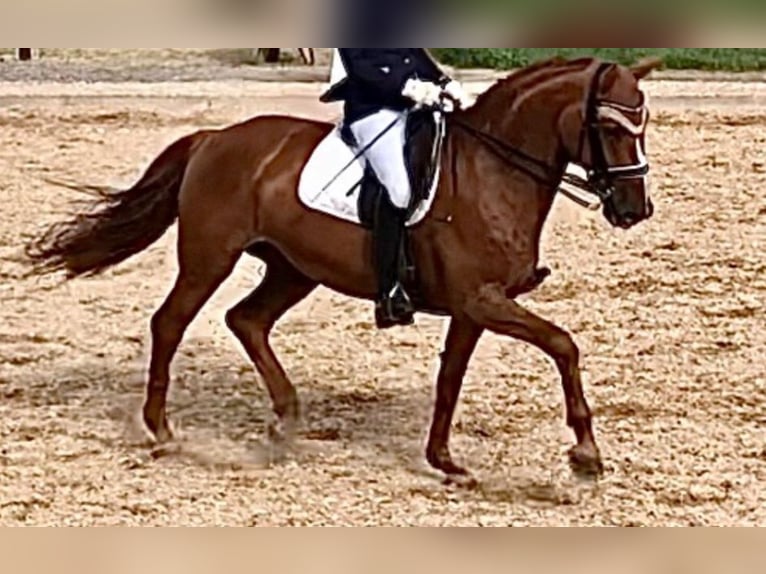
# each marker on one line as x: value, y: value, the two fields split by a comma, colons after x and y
x: 271, y: 55
x: 274, y: 55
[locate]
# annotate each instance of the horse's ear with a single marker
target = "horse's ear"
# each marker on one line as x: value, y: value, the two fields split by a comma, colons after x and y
x: 644, y: 67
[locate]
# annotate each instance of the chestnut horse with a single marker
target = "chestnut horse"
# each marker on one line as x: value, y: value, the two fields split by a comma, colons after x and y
x: 233, y: 191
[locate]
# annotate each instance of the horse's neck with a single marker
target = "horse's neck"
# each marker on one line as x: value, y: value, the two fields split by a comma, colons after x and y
x: 531, y: 127
x: 507, y: 202
x: 534, y: 134
x: 528, y: 117
x: 512, y: 205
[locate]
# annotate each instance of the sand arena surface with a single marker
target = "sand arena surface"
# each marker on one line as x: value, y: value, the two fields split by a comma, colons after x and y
x: 669, y: 318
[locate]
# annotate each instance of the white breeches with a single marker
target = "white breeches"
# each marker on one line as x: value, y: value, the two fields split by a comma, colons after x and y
x: 386, y: 157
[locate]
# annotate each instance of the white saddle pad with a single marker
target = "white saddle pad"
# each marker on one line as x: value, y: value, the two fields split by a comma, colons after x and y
x: 321, y: 188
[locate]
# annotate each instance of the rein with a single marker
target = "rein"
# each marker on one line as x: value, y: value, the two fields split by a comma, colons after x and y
x: 509, y: 154
x: 600, y: 178
x: 541, y: 171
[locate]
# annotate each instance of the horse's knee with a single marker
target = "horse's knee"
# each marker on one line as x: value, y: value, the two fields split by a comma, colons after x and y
x: 233, y: 320
x: 237, y: 322
x: 245, y: 325
x: 564, y: 350
x: 163, y: 326
x: 155, y: 323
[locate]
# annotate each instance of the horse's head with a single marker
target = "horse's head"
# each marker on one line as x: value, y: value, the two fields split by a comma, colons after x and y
x: 610, y: 141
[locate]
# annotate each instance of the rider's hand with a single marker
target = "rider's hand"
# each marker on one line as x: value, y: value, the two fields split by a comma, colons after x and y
x: 423, y: 93
x: 447, y: 104
x: 456, y: 92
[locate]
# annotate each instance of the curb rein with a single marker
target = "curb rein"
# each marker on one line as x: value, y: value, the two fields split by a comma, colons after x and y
x: 600, y: 178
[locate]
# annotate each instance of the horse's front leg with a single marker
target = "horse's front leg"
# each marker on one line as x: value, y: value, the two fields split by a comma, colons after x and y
x: 462, y: 337
x: 491, y: 309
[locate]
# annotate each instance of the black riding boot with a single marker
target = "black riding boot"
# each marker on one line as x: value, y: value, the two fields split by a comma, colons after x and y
x: 393, y: 306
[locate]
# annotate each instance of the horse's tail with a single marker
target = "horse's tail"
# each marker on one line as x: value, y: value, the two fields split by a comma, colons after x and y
x: 116, y: 224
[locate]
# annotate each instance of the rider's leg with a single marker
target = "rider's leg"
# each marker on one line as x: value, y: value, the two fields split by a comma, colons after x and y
x: 386, y: 157
x: 393, y: 304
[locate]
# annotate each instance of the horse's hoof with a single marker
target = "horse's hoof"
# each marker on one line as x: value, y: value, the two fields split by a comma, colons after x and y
x: 282, y: 431
x: 164, y: 434
x: 586, y: 462
x: 159, y: 428
x: 462, y: 480
x: 166, y: 449
x: 455, y: 474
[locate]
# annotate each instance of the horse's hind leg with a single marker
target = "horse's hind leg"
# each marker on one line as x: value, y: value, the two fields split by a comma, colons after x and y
x: 204, y: 265
x: 251, y: 321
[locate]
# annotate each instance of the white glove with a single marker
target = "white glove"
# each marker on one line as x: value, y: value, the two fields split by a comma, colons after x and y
x: 420, y: 92
x: 455, y: 91
x: 447, y: 105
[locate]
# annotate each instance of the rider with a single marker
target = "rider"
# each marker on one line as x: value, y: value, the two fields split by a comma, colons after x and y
x: 380, y: 87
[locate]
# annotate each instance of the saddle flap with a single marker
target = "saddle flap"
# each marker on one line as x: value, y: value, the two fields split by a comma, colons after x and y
x: 325, y: 186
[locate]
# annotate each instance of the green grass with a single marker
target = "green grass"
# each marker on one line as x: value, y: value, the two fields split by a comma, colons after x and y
x: 723, y: 59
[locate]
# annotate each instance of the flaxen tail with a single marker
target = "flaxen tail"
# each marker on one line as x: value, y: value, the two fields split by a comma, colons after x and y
x: 115, y: 225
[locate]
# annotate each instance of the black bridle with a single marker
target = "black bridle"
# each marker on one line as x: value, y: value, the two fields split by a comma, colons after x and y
x: 601, y: 177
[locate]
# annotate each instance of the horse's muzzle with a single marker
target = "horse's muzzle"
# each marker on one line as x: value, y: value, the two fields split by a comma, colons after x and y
x: 627, y: 219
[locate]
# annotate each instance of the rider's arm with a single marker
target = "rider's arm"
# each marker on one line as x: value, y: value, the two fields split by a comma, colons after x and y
x: 427, y: 65
x: 378, y: 69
